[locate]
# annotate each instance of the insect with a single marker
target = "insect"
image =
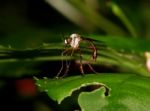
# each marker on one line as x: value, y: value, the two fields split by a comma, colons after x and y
x: 74, y: 42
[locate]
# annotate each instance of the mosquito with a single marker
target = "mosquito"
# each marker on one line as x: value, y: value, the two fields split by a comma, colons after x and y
x: 74, y: 41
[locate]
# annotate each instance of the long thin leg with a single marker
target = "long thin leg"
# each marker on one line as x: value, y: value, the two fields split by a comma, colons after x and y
x: 68, y: 64
x: 81, y: 65
x: 88, y: 63
x: 91, y: 67
x: 92, y: 46
x: 62, y: 64
x: 94, y: 55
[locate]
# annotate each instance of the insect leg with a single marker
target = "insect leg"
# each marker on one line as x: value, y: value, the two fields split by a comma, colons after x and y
x: 68, y: 63
x: 94, y: 55
x: 91, y: 67
x: 92, y: 46
x: 62, y: 64
x: 81, y: 65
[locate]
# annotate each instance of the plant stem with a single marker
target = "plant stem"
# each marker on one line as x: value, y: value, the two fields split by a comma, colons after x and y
x: 120, y: 14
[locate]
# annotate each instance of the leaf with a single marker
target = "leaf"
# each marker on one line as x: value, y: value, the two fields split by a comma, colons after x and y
x: 121, y: 43
x: 109, y: 54
x: 126, y: 91
x: 93, y: 101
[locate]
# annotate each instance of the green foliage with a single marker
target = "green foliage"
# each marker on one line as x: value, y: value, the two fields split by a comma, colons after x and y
x: 122, y: 34
x: 128, y: 52
x: 115, y: 91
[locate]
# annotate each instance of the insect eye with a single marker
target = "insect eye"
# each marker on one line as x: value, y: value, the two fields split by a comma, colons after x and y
x: 68, y: 41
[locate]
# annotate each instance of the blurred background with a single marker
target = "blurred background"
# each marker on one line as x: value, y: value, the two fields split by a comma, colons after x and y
x: 27, y: 24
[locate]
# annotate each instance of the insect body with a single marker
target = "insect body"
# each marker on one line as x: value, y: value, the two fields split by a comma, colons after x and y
x: 74, y: 42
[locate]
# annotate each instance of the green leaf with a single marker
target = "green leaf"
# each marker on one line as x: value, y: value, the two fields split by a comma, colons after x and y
x: 124, y: 43
x: 118, y: 53
x: 125, y: 91
x: 96, y: 98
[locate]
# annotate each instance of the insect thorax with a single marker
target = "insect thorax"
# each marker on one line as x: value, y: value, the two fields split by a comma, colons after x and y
x: 73, y: 40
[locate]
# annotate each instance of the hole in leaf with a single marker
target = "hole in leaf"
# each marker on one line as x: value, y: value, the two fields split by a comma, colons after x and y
x: 72, y: 101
